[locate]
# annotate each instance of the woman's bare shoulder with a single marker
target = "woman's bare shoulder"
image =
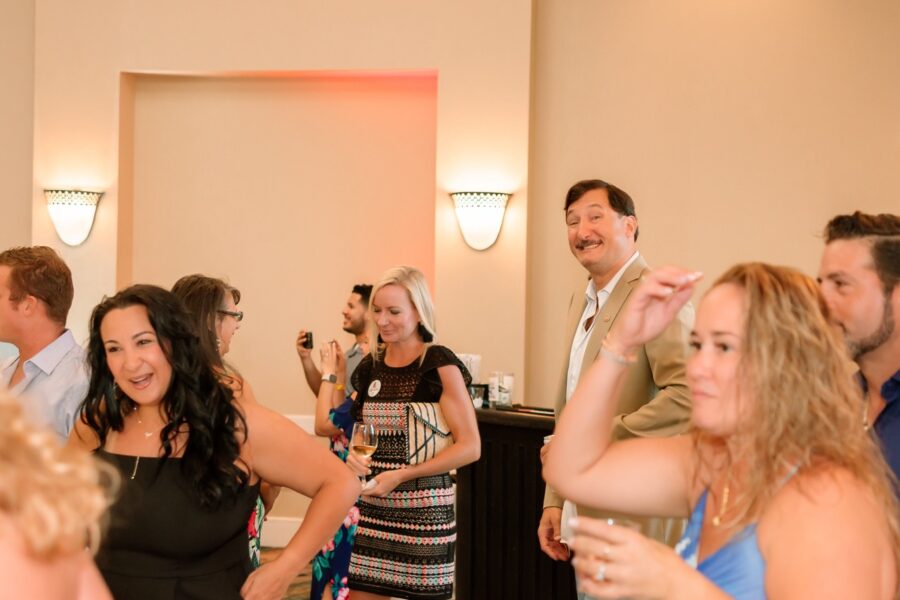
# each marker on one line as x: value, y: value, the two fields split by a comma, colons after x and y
x: 827, y: 520
x: 83, y: 437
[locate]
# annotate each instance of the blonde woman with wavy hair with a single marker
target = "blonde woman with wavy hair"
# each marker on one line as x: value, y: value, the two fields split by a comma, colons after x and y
x: 787, y: 493
x: 406, y: 537
x: 413, y: 281
x: 51, y: 502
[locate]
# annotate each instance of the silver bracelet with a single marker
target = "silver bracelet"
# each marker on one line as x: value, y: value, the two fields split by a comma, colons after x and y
x: 609, y: 352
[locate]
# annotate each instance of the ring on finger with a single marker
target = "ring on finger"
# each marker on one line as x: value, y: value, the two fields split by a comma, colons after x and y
x: 607, y: 553
x: 600, y: 575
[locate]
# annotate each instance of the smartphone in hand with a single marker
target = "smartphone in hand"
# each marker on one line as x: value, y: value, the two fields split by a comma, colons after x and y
x: 308, y: 342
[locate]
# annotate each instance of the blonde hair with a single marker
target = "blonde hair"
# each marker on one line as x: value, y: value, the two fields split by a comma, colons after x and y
x: 413, y: 281
x: 806, y: 410
x: 54, y: 496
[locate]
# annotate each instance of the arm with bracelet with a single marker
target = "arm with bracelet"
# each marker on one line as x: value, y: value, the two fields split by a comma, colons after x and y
x: 312, y: 374
x: 331, y: 389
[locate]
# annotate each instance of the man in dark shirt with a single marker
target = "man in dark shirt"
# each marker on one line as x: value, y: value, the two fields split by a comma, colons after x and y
x: 860, y: 279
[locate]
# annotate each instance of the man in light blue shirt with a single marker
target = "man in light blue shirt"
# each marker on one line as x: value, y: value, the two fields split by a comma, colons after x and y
x: 49, y: 374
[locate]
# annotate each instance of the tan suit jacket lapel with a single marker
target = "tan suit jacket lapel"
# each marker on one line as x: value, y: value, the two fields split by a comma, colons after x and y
x: 576, y: 309
x: 630, y: 278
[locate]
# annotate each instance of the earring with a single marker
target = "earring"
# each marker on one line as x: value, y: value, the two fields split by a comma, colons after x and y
x: 426, y: 335
x: 112, y: 401
x: 218, y: 344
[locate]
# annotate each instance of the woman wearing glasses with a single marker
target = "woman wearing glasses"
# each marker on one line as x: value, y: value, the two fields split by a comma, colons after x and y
x: 212, y: 306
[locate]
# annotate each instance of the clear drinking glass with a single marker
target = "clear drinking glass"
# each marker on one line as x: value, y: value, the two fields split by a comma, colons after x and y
x: 505, y: 389
x: 364, y: 442
x: 619, y: 522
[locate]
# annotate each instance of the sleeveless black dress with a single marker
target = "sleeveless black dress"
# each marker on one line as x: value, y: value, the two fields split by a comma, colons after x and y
x: 406, y: 541
x: 162, y: 545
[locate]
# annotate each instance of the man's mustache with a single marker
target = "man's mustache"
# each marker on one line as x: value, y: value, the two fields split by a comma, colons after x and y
x: 581, y: 245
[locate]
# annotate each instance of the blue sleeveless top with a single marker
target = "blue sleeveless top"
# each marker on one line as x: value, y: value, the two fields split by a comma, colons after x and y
x: 737, y: 568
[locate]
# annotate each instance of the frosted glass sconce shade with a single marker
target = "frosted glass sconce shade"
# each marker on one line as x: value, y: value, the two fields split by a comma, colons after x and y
x: 72, y: 213
x: 480, y: 216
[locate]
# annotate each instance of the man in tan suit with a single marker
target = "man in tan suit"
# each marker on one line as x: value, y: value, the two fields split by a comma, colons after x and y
x: 655, y: 401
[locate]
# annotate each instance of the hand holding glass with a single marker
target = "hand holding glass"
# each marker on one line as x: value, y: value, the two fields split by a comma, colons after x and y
x: 364, y: 442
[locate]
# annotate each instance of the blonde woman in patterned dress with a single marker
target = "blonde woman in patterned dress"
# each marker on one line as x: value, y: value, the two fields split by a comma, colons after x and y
x: 406, y: 540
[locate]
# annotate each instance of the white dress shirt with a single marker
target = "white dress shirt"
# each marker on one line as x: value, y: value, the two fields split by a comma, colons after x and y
x: 594, y: 301
x: 55, y: 383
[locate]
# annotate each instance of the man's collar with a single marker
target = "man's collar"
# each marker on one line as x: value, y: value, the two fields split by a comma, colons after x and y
x: 51, y: 355
x: 8, y: 362
x: 890, y: 390
x: 591, y: 291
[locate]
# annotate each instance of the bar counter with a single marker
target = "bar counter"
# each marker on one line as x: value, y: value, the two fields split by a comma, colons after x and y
x: 499, y: 504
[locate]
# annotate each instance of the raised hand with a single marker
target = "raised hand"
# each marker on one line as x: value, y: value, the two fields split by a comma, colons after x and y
x: 329, y: 353
x: 651, y: 307
x: 340, y: 362
x: 302, y: 351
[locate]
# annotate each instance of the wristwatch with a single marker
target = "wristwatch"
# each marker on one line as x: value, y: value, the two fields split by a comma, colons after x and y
x: 330, y: 378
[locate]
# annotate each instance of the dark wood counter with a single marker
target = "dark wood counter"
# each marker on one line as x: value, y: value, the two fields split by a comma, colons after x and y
x: 499, y: 504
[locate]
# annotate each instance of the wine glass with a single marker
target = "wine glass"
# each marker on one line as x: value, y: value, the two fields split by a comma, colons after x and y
x: 363, y: 442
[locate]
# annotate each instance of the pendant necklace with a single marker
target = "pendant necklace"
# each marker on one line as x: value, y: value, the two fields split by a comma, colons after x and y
x: 147, y: 435
x: 723, y: 505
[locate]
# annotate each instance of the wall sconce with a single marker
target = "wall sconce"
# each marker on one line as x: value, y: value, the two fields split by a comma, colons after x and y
x: 480, y: 216
x: 72, y: 213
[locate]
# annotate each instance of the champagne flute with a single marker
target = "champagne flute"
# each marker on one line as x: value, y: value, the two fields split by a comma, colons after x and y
x: 363, y: 442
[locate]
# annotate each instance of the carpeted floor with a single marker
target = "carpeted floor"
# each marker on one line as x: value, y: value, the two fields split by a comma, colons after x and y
x: 299, y: 589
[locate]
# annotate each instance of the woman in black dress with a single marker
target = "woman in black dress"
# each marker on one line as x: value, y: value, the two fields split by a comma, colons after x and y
x: 191, y: 457
x: 406, y: 539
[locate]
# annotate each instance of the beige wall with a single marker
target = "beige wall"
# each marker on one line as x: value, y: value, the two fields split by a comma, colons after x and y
x: 292, y: 188
x: 739, y: 128
x: 16, y: 119
x: 16, y: 110
x: 93, y: 137
x: 481, y: 122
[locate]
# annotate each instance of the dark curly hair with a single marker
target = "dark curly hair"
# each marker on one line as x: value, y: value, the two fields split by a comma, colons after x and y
x: 195, y: 398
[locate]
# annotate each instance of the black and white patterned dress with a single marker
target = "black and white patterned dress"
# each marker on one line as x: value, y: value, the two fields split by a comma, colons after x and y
x: 406, y: 541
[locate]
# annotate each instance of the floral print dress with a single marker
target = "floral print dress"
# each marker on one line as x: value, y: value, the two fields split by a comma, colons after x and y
x: 331, y: 564
x: 254, y: 531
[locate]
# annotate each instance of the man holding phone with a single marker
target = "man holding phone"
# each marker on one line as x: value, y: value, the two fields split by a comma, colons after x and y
x: 354, y: 323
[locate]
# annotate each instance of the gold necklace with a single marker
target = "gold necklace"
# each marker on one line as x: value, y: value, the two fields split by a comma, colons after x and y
x: 865, y: 415
x: 723, y: 505
x: 147, y: 434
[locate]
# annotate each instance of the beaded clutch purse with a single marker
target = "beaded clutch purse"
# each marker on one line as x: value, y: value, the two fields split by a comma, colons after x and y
x: 427, y: 432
